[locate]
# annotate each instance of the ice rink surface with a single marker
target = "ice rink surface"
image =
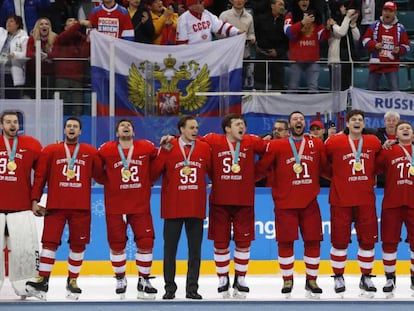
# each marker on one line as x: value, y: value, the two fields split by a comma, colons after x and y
x: 99, y: 294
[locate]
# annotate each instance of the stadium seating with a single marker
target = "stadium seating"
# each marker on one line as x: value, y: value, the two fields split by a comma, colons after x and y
x: 324, y: 83
x: 360, y: 75
x: 407, y: 19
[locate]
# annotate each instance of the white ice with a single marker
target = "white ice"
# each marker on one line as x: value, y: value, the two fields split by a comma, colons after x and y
x: 266, y: 288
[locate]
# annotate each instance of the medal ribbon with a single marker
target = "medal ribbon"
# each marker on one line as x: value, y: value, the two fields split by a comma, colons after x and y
x: 357, y: 153
x: 407, y: 154
x: 11, y: 152
x: 71, y: 159
x: 295, y: 152
x: 126, y: 161
x: 186, y: 158
x: 234, y: 153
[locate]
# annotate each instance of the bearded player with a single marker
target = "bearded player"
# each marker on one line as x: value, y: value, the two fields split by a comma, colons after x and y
x: 18, y: 157
x: 296, y: 162
x: 67, y: 168
x: 127, y: 189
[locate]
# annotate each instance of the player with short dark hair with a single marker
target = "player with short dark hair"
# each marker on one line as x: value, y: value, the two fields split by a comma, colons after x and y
x: 352, y: 198
x: 67, y: 168
x: 183, y: 167
x: 127, y: 189
x: 18, y: 157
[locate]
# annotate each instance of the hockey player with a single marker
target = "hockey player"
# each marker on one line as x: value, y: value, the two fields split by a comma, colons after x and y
x: 352, y: 198
x: 113, y: 20
x: 398, y: 203
x: 296, y: 161
x: 232, y: 200
x: 198, y: 25
x: 183, y: 201
x: 67, y: 168
x: 18, y: 156
x: 127, y: 189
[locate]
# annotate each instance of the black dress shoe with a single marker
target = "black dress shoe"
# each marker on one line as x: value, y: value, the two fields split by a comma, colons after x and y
x: 193, y: 295
x: 168, y: 295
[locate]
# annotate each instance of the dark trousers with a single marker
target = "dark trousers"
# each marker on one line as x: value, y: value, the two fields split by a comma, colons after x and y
x: 172, y: 233
x: 276, y: 71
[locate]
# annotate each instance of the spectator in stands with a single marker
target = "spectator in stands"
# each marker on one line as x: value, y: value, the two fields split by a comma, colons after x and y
x: 29, y: 10
x: 42, y: 31
x: 272, y: 45
x: 142, y: 21
x: 102, y: 18
x: 239, y: 17
x: 387, y: 136
x: 344, y: 38
x: 259, y: 6
x: 196, y: 14
x: 165, y: 22
x: 71, y: 43
x: 216, y: 6
x: 13, y: 44
x: 280, y: 130
x: 85, y: 8
x: 178, y: 5
x: 317, y: 129
x: 305, y: 31
x: 370, y: 12
x: 386, y: 41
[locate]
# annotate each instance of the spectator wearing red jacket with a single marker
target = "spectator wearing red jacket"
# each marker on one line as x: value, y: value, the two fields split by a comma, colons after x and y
x: 71, y: 44
x: 387, y: 41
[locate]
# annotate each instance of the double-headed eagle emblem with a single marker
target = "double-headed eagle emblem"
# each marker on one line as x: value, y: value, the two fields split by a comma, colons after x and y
x: 141, y: 86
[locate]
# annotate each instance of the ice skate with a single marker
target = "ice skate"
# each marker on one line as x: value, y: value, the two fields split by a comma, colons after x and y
x: 223, y: 288
x: 312, y: 289
x: 145, y: 289
x: 412, y: 284
x: 38, y: 288
x: 121, y: 286
x: 240, y: 288
x: 72, y: 289
x: 389, y: 286
x: 287, y: 288
x: 339, y: 284
x: 367, y: 287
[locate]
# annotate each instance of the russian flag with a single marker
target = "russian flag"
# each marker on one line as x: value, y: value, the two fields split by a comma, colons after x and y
x: 166, y: 78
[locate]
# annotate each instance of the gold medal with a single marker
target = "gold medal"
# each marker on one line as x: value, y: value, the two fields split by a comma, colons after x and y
x: 70, y: 173
x: 235, y: 168
x: 11, y: 166
x: 411, y: 170
x: 126, y: 173
x: 358, y: 166
x: 297, y: 168
x: 186, y: 170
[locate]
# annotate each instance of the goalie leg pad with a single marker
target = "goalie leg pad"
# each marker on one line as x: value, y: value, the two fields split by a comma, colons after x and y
x: 24, y: 249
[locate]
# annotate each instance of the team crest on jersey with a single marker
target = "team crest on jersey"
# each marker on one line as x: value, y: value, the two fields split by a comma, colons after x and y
x: 169, y: 97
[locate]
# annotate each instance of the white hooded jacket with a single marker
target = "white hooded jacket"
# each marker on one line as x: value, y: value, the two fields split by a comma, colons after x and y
x: 18, y: 46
